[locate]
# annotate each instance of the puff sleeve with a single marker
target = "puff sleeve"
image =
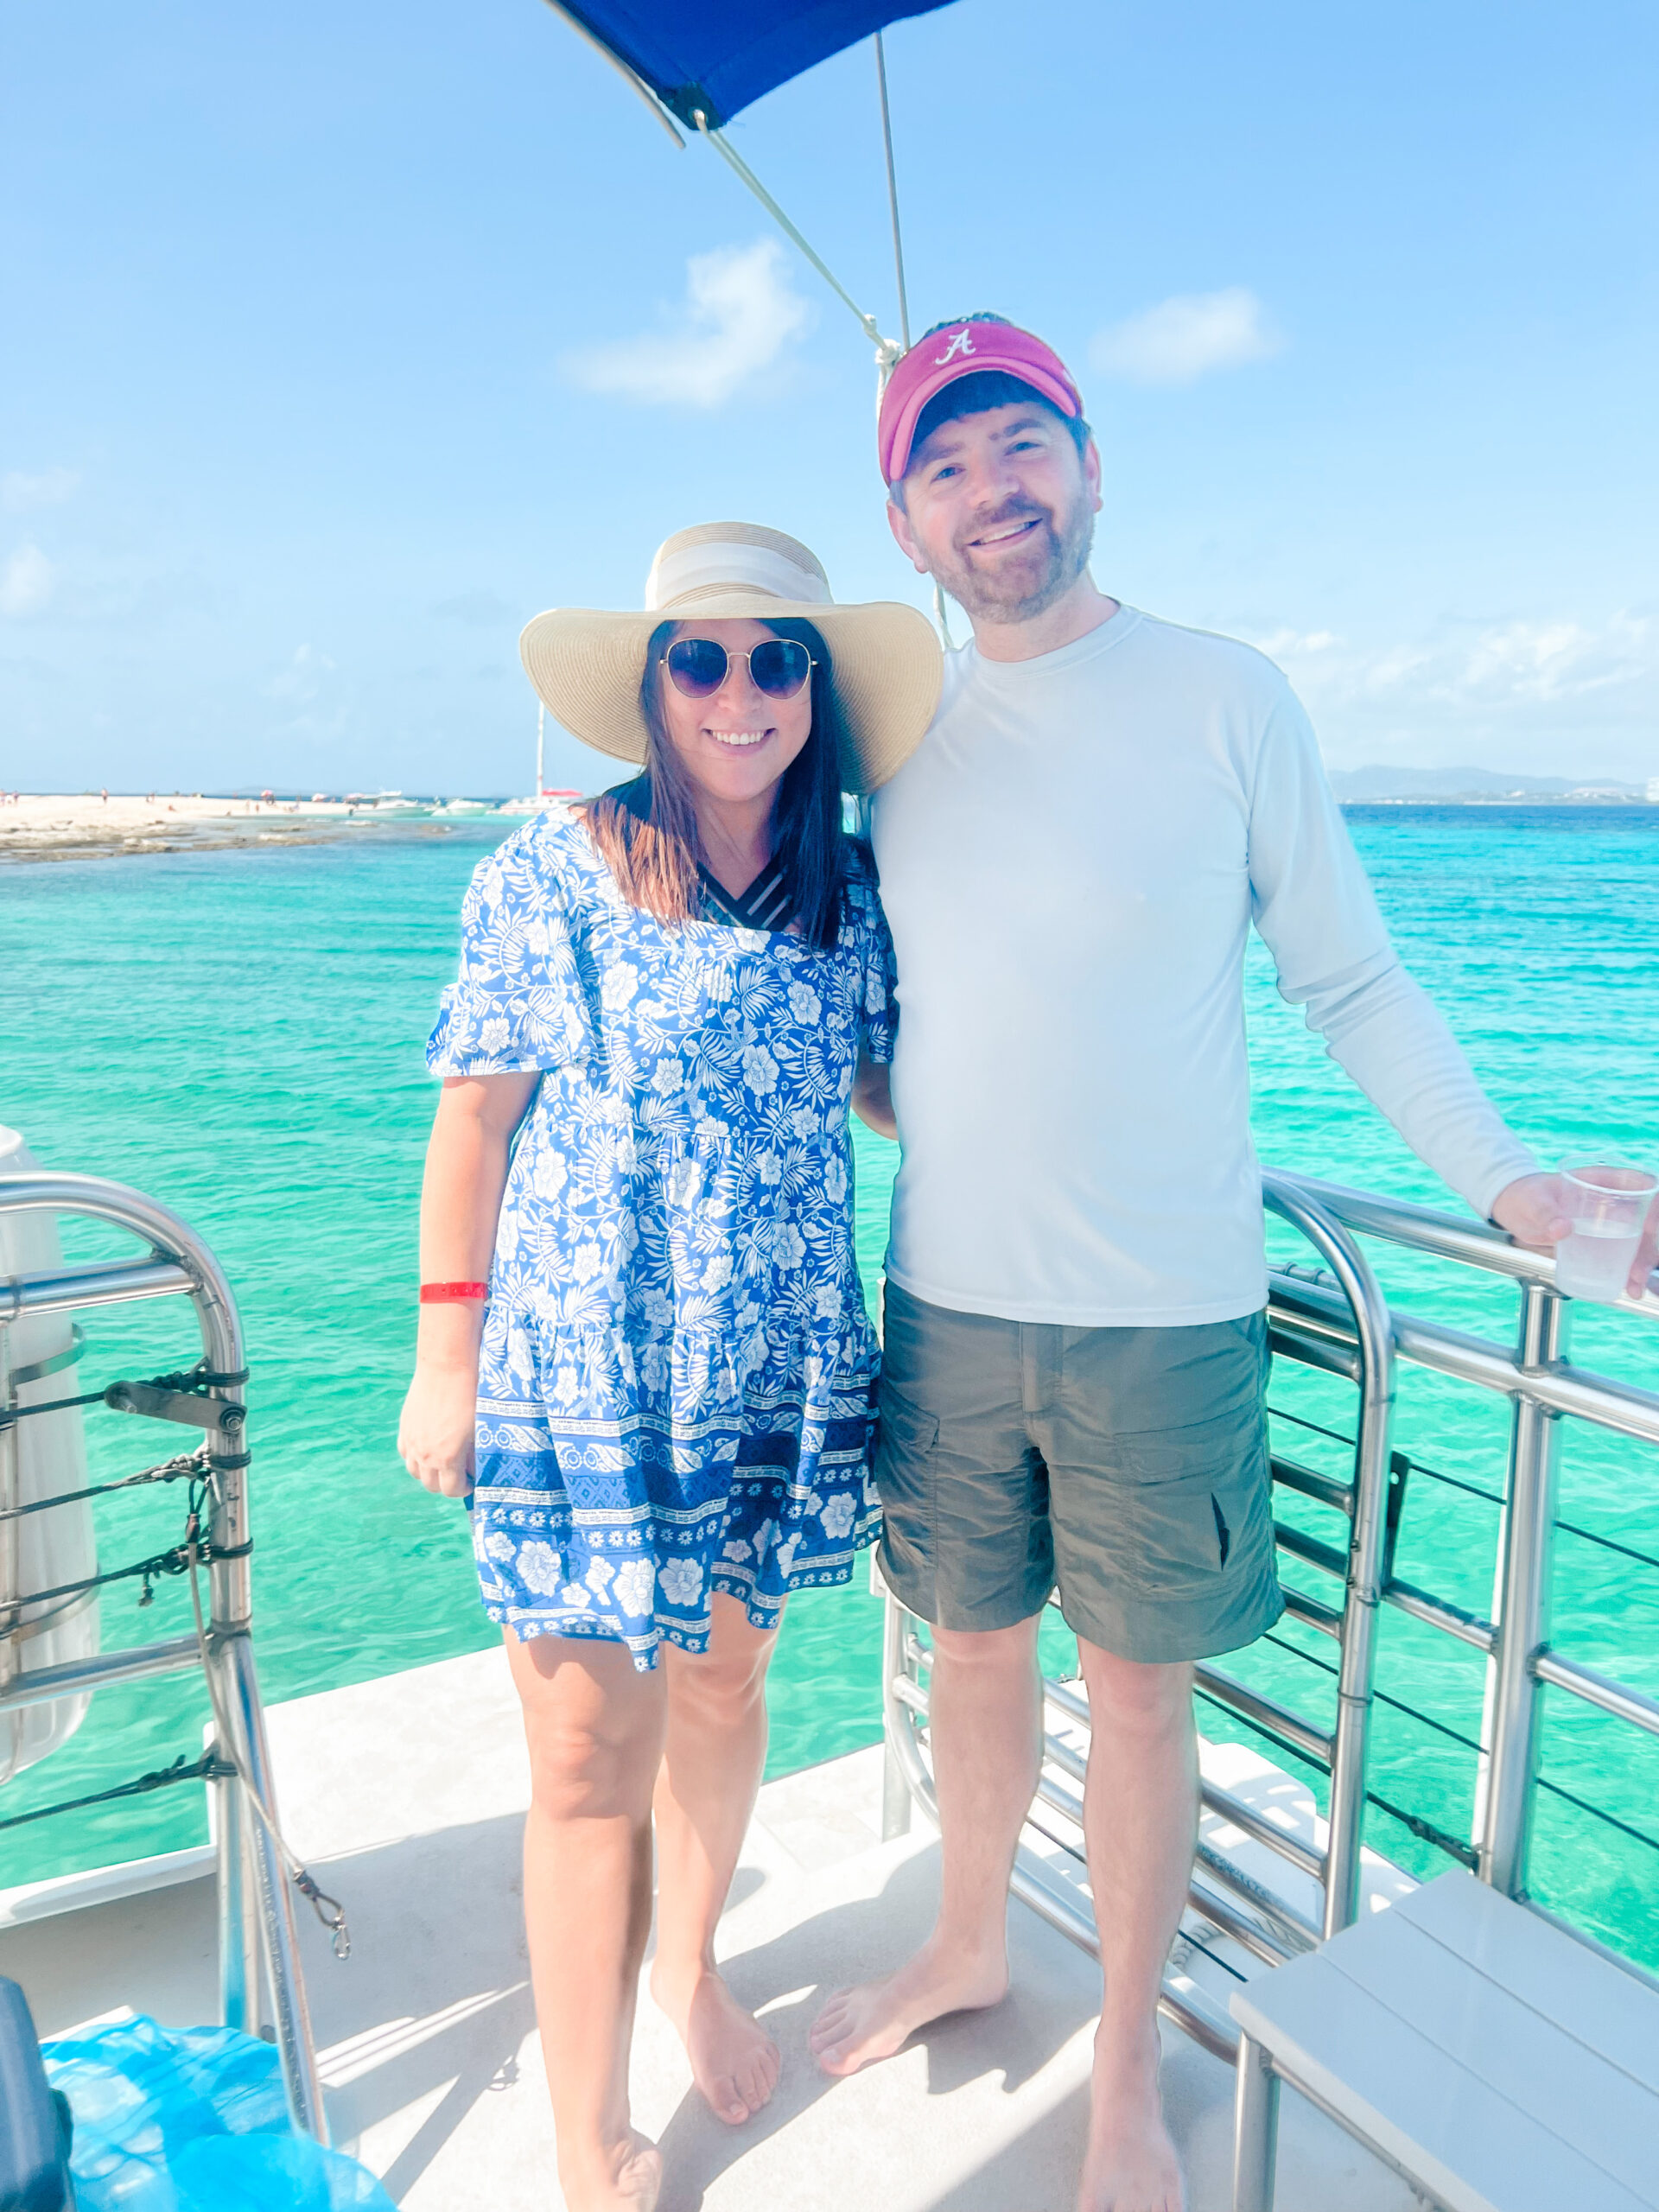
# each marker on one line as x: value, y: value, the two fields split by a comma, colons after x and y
x: 518, y: 1005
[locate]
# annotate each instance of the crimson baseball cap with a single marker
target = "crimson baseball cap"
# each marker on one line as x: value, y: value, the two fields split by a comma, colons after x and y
x: 964, y: 349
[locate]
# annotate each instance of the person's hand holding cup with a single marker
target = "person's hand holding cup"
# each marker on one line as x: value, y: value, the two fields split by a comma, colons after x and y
x: 1601, y: 1219
x: 1609, y: 1206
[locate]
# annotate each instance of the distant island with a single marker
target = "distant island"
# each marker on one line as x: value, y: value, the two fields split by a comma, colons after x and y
x: 1380, y: 786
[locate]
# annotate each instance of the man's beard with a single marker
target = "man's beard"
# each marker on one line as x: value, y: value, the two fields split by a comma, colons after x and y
x: 1051, y: 561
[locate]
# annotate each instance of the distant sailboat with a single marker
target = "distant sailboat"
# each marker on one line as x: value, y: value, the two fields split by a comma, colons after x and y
x: 543, y: 796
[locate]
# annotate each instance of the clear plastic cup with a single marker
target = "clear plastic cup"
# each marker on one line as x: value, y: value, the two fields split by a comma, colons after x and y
x: 1608, y: 1206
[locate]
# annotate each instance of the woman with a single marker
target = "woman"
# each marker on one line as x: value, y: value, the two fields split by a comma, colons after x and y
x: 664, y: 1003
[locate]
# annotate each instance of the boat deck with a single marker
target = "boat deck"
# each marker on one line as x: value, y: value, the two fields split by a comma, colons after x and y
x: 407, y: 1796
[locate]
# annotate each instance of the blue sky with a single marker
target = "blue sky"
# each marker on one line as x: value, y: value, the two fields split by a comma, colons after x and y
x: 340, y: 338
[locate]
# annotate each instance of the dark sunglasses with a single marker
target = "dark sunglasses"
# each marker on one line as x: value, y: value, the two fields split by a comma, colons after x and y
x: 779, y: 667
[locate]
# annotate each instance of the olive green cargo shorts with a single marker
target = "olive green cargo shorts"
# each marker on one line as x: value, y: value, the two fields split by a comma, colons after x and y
x: 1127, y: 1466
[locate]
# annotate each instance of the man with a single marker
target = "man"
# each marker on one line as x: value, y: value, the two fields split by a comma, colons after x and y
x: 1076, y: 1345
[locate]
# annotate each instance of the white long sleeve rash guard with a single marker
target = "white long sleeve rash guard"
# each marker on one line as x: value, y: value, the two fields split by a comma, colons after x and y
x: 1071, y: 863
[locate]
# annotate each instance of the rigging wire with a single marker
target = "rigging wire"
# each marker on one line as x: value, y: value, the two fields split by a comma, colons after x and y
x: 939, y: 615
x: 223, y: 1760
x: 892, y: 190
x: 1335, y: 1434
x: 1426, y: 1831
x: 190, y: 1462
x: 888, y: 352
x: 198, y: 1553
x: 1612, y: 1819
x: 1474, y: 1489
x: 208, y: 1767
x: 888, y: 349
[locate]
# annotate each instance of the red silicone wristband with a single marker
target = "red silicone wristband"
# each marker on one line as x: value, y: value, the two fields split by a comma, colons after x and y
x: 442, y: 1293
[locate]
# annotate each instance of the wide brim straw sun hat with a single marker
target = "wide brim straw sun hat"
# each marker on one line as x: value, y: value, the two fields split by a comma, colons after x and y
x: 588, y: 664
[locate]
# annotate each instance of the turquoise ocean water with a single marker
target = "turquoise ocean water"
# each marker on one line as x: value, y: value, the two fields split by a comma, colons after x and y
x: 239, y: 1034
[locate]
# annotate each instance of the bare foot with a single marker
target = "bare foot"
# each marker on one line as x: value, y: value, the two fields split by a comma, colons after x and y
x: 1130, y: 2165
x: 626, y: 2178
x: 859, y: 2025
x: 735, y: 2062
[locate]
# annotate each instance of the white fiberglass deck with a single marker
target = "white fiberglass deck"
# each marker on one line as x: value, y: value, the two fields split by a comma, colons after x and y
x: 407, y: 1796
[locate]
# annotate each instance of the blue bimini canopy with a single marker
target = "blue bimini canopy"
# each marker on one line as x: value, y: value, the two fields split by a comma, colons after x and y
x: 705, y: 60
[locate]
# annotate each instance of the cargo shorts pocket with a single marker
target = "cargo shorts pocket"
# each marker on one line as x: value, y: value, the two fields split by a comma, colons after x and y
x: 906, y: 1437
x: 1200, y: 1507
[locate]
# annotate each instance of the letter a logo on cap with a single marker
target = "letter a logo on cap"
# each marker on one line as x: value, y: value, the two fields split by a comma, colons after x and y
x: 970, y: 348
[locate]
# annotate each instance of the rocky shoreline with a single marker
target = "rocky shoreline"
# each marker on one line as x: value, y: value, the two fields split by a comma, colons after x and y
x: 90, y: 826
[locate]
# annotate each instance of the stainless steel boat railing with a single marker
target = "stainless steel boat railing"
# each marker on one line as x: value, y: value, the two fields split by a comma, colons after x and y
x: 1335, y: 1318
x: 255, y: 1915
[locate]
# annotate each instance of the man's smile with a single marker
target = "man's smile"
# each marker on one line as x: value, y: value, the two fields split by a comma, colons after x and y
x: 1007, y: 533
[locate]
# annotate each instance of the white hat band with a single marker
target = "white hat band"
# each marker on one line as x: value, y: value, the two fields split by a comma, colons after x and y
x: 689, y: 574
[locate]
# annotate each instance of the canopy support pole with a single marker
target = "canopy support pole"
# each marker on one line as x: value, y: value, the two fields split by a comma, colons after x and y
x: 887, y: 351
x: 939, y: 615
x: 892, y: 191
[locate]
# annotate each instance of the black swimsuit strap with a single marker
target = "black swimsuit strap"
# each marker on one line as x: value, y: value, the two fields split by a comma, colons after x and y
x: 766, y: 904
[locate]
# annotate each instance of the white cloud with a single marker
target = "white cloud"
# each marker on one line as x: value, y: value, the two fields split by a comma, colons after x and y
x: 301, y: 682
x: 48, y: 487
x: 1285, y: 644
x: 1552, y: 695
x: 739, y: 313
x: 27, y: 581
x: 1517, y: 662
x: 1184, y: 338
x: 1560, y: 659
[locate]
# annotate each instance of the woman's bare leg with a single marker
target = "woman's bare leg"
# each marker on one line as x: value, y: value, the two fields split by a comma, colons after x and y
x: 595, y: 1728
x: 716, y: 1748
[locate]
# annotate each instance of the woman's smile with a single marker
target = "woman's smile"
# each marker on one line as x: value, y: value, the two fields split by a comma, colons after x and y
x: 738, y: 738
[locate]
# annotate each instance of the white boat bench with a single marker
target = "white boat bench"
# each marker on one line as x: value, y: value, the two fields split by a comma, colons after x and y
x: 1494, y: 2062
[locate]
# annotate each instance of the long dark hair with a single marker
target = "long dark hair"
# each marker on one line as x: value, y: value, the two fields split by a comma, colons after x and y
x: 645, y: 831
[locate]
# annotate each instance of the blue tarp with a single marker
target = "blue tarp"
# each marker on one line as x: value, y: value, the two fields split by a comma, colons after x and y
x: 720, y: 54
x: 191, y: 2119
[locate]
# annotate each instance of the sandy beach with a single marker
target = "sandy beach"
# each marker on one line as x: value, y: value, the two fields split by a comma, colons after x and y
x: 89, y: 826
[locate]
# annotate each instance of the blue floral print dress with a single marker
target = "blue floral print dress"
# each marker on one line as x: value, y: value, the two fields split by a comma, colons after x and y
x: 677, y: 1384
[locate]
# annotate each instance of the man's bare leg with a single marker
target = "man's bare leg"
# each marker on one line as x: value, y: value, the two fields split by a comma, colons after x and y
x: 716, y: 1750
x: 1141, y: 1822
x: 595, y: 1729
x: 985, y: 1725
